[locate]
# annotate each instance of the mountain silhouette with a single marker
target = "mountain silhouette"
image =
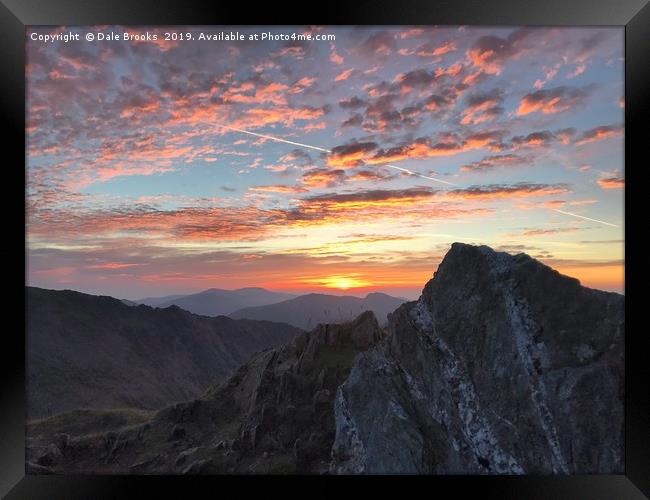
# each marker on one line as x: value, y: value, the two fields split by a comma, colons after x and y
x: 307, y: 311
x: 217, y: 302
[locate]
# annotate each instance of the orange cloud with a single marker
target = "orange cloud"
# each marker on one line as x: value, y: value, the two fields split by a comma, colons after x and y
x: 277, y: 188
x: 551, y: 101
x: 599, y: 133
x: 611, y: 183
x: 344, y: 75
x: 490, y: 162
x: 334, y: 57
x: 323, y: 177
x: 351, y: 155
x: 504, y: 191
x: 113, y: 265
x: 482, y: 107
x: 273, y: 93
x: 360, y: 153
x: 437, y: 51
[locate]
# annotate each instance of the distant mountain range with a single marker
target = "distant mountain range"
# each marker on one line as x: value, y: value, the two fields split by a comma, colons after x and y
x: 217, y: 302
x: 303, y: 311
x: 86, y: 351
x: 307, y: 311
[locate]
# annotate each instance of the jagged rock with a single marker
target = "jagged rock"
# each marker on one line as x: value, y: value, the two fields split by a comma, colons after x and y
x: 142, y: 430
x: 198, y: 467
x: 62, y: 440
x: 502, y: 366
x: 177, y: 433
x: 145, y: 464
x: 184, y: 455
x: 52, y: 456
x: 33, y: 468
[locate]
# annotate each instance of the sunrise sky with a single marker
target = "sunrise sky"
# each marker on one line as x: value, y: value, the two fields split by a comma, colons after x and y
x: 138, y: 184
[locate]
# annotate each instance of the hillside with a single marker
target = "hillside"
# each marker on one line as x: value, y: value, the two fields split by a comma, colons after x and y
x: 97, y: 352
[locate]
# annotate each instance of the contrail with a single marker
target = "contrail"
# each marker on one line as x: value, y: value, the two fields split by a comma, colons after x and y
x: 271, y: 138
x: 316, y: 148
x: 418, y: 175
x: 583, y: 217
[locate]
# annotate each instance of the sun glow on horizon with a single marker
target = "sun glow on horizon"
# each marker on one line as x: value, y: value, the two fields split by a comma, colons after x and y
x: 341, y: 282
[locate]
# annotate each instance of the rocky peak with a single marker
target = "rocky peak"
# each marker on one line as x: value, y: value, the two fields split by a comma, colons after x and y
x: 497, y: 368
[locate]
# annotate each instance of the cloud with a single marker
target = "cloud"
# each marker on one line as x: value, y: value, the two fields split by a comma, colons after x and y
x: 344, y: 75
x: 335, y: 58
x: 143, y: 221
x: 323, y: 177
x: 411, y: 33
x: 509, y: 191
x: 302, y: 84
x: 298, y: 156
x: 599, y: 133
x: 542, y: 138
x: 382, y: 115
x: 273, y: 93
x: 356, y: 120
x: 374, y: 196
x: 430, y: 49
x: 490, y: 53
x: 423, y: 147
x: 554, y: 100
x: 398, y: 204
x: 351, y: 155
x: 259, y: 117
x: 113, y: 265
x: 611, y: 183
x: 542, y: 204
x: 436, y: 102
x: 378, y: 44
x: 407, y: 204
x: 496, y: 161
x: 546, y: 231
x: 277, y: 188
x: 371, y: 175
x: 353, y: 102
x: 482, y: 107
x: 418, y: 79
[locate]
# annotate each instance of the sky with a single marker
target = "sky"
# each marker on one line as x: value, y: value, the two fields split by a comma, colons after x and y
x: 346, y: 164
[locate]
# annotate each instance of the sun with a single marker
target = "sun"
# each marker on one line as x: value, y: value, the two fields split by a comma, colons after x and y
x: 344, y: 282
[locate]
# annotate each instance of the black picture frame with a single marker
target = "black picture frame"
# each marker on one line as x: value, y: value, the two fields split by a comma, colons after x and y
x: 15, y: 15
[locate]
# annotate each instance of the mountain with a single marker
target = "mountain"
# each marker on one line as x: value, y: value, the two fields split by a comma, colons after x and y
x: 217, y: 302
x: 502, y: 366
x: 306, y: 311
x: 97, y: 352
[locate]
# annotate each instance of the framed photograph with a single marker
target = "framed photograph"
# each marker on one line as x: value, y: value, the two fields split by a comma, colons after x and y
x: 384, y: 242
